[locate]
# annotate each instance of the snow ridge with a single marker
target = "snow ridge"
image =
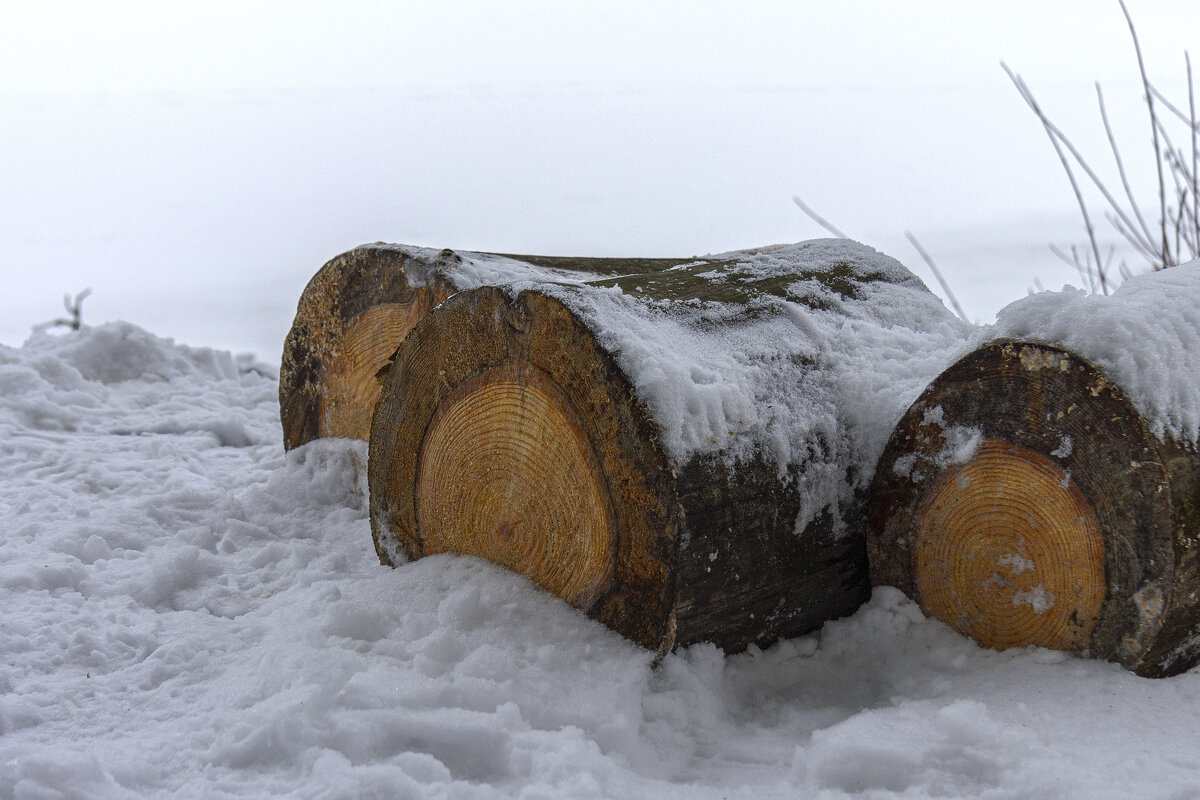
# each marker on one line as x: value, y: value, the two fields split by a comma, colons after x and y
x: 186, y: 615
x: 1145, y: 338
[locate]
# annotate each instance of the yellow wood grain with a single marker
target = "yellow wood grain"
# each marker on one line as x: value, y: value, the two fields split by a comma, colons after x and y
x: 350, y: 392
x: 1008, y: 551
x: 506, y: 472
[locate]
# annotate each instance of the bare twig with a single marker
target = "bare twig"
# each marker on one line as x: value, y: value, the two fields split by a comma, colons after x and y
x: 1162, y: 98
x: 1073, y: 260
x: 937, y: 273
x: 1162, y: 191
x: 1116, y: 151
x: 1176, y: 236
x: 1056, y: 137
x: 74, y: 308
x: 815, y: 217
x: 1192, y: 123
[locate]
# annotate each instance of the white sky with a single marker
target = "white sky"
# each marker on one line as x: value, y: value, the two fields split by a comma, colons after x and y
x: 52, y: 45
x: 195, y: 163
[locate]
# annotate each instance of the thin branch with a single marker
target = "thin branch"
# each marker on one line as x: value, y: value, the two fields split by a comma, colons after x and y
x: 1116, y: 151
x: 1051, y: 132
x: 1057, y: 136
x: 1162, y: 98
x: 75, y: 309
x: 1143, y: 249
x: 1195, y: 158
x: 1073, y: 261
x: 817, y: 218
x: 937, y: 273
x: 1162, y: 191
x: 1183, y: 180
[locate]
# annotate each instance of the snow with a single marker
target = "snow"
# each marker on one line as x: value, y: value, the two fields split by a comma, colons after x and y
x: 961, y: 442
x: 186, y: 611
x: 1143, y: 337
x: 1016, y: 563
x: 813, y: 379
x: 1065, y: 448
x: 1039, y: 598
x: 468, y: 270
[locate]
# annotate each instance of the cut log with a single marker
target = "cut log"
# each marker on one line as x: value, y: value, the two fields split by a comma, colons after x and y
x: 358, y: 308
x: 678, y: 453
x: 350, y: 318
x: 1026, y: 499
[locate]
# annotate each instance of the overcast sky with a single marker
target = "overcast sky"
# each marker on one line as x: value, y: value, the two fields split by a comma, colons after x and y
x: 195, y: 163
x: 51, y: 45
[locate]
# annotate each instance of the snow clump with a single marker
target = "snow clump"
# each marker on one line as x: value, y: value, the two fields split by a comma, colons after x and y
x: 1144, y: 337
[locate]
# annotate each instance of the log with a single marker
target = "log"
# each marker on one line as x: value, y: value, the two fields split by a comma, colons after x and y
x: 680, y: 454
x: 1039, y: 492
x: 359, y: 307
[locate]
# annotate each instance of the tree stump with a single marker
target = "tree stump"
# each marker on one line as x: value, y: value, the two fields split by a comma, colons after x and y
x: 1024, y: 500
x: 359, y: 307
x: 678, y: 453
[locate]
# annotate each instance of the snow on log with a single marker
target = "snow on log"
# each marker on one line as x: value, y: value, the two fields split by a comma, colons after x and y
x: 359, y: 307
x: 679, y: 453
x: 1045, y: 489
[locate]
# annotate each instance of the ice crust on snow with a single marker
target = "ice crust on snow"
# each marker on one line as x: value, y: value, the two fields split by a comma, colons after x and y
x: 186, y: 617
x: 1145, y: 337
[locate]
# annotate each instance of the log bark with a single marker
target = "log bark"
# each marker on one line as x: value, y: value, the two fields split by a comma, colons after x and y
x: 359, y: 307
x: 1023, y: 500
x: 530, y: 426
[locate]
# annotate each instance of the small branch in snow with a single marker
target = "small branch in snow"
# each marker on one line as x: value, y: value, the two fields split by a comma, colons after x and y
x: 74, y: 308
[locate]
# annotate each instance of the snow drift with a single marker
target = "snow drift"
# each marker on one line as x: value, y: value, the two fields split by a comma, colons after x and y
x: 184, y: 611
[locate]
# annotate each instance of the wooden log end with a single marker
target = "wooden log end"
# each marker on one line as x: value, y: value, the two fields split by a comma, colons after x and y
x: 506, y: 432
x: 350, y: 318
x: 1023, y: 501
x: 506, y: 472
x: 1008, y: 551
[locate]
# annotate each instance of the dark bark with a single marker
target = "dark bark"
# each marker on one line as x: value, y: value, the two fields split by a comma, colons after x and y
x: 705, y: 552
x: 1143, y: 491
x: 374, y: 294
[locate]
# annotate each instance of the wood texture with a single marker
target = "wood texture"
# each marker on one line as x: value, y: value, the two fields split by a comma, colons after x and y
x: 350, y: 318
x: 506, y: 472
x: 586, y: 494
x: 1008, y: 551
x: 1068, y: 525
x: 481, y: 332
x: 361, y: 304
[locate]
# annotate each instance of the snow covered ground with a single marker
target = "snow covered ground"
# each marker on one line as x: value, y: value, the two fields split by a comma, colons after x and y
x: 185, y: 611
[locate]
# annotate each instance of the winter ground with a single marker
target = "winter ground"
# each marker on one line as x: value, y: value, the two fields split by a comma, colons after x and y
x: 185, y: 611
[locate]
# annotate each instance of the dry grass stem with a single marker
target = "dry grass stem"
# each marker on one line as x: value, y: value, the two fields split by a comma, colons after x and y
x: 1176, y: 236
